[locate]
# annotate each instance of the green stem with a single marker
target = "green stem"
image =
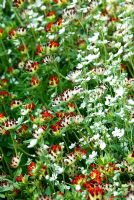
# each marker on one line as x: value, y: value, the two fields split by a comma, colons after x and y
x: 14, y: 145
x: 24, y: 151
x: 5, y: 160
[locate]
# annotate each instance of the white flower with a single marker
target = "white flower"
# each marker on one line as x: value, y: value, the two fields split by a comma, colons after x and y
x: 118, y: 132
x: 45, y: 147
x: 78, y: 187
x: 79, y: 66
x: 40, y: 130
x: 130, y: 196
x: 91, y: 158
x: 93, y: 155
x: 58, y: 169
x: 72, y: 145
x: 38, y: 3
x: 131, y: 102
x: 24, y: 112
x: 102, y: 145
x: 116, y: 193
x: 92, y: 57
x: 117, y: 45
x: 73, y: 75
x: 47, y: 177
x: 34, y: 126
x: 54, y: 177
x: 94, y: 38
x: 120, y: 91
x: 62, y: 30
x: 96, y: 137
x: 33, y: 142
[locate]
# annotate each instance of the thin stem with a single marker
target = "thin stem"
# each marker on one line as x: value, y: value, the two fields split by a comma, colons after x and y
x: 14, y: 145
x: 5, y: 160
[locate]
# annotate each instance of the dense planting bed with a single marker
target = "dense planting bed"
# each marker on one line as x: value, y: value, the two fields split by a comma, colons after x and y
x: 66, y: 99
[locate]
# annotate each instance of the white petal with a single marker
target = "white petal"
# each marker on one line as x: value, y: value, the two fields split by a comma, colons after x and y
x: 33, y: 142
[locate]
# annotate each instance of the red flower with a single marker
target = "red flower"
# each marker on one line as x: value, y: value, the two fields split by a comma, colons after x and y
x: 55, y: 150
x: 1, y: 31
x: 22, y: 48
x: 78, y: 151
x: 19, y: 178
x: 56, y: 147
x: 23, y: 129
x: 49, y: 26
x: 59, y: 22
x: 53, y: 81
x: 39, y: 49
x: 51, y: 14
x: 96, y: 175
x: 12, y: 33
x: 56, y: 128
x: 46, y: 115
x: 59, y: 114
x: 31, y: 167
x: 71, y: 106
x: 4, y: 82
x: 93, y: 165
x: 35, y: 66
x: 53, y: 43
x: 34, y: 81
x: 96, y: 192
x: 60, y: 2
x: 16, y: 191
x: 29, y: 106
x: 4, y: 93
x: 18, y: 3
x: 114, y: 19
x: 10, y: 69
x: 2, y: 116
x: 81, y: 43
x: 79, y: 180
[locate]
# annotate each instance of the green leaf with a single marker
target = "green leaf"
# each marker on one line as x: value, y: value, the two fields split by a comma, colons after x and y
x: 2, y: 196
x: 48, y: 191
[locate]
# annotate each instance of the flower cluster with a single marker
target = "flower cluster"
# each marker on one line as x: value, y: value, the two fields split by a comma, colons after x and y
x: 66, y: 100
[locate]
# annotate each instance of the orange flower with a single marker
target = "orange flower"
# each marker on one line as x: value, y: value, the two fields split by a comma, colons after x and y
x: 29, y: 106
x: 96, y: 175
x: 23, y: 129
x: 56, y: 128
x: 53, y: 43
x: 12, y: 34
x: 2, y: 117
x: 46, y: 115
x: 18, y: 3
x: 53, y: 81
x: 39, y: 49
x: 49, y: 26
x: 59, y: 22
x: 34, y: 81
x: 51, y: 16
x: 30, y: 168
x: 22, y: 48
x: 71, y: 106
x: 81, y: 44
x: 10, y: 69
x: 79, y: 180
x: 95, y: 193
x: 1, y: 32
x: 60, y: 2
x: 19, y: 178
